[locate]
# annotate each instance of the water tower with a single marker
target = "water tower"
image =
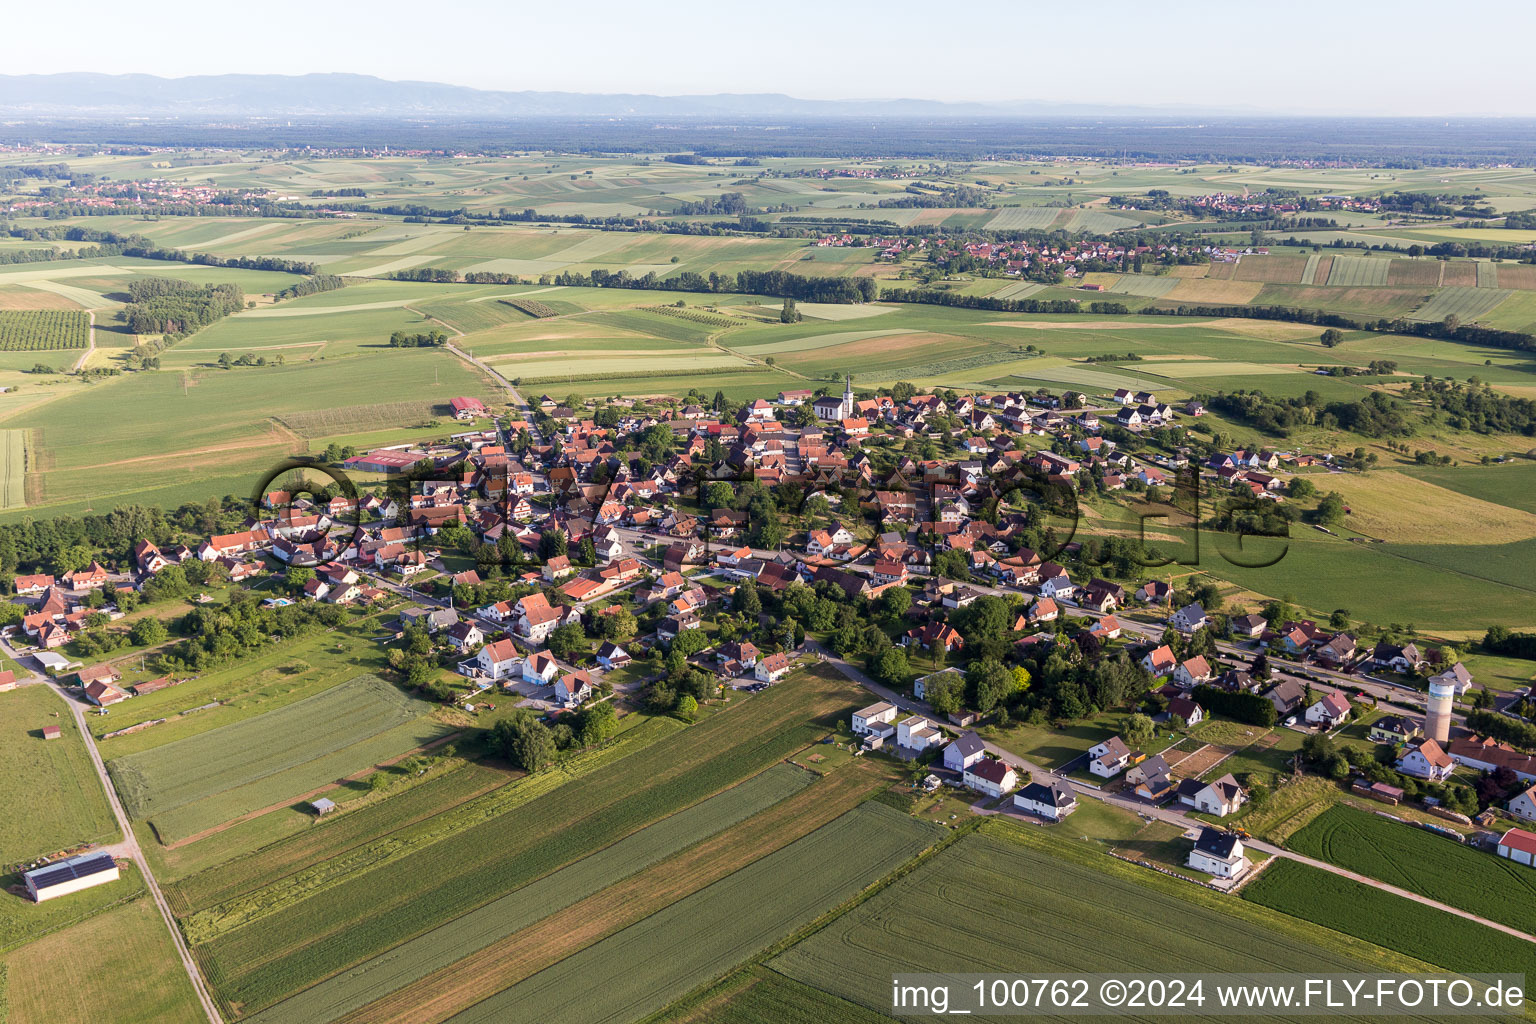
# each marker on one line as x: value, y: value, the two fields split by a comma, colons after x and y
x: 1437, y: 722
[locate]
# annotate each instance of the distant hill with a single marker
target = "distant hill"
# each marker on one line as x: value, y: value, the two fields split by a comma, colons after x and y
x: 82, y: 94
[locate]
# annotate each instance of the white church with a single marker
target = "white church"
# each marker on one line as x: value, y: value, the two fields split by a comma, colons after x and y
x: 829, y: 408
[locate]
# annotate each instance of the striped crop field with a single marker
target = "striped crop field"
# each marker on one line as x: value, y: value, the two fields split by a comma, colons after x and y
x: 13, y: 470
x: 1017, y: 290
x: 1270, y: 269
x: 1309, y: 273
x: 715, y: 929
x: 1487, y: 274
x: 1144, y: 284
x: 1359, y: 271
x: 200, y: 781
x: 1020, y: 218
x: 970, y: 909
x: 1467, y: 304
x: 376, y: 978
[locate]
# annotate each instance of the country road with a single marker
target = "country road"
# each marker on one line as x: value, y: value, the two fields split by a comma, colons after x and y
x: 128, y: 848
x: 90, y: 345
x: 1167, y: 814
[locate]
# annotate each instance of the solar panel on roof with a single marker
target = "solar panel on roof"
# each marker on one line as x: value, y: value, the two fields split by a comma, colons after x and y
x: 68, y: 871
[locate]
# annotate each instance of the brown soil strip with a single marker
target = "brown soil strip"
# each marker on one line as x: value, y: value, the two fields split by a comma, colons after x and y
x: 443, y: 993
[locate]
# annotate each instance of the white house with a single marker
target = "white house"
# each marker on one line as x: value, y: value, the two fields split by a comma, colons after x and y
x: 1189, y: 618
x: 1058, y: 588
x: 1220, y: 798
x: 920, y: 684
x: 1193, y: 672
x: 498, y: 660
x: 1159, y: 662
x: 991, y: 777
x: 573, y: 688
x: 917, y: 733
x: 875, y: 713
x: 964, y: 751
x: 1524, y: 805
x: 1052, y: 801
x: 1108, y: 759
x: 1456, y: 676
x: 1219, y: 853
x: 772, y: 668
x: 540, y: 668
x: 1328, y: 711
x: 1428, y: 761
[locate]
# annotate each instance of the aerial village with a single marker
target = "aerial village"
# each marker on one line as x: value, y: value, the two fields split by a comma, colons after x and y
x: 636, y: 553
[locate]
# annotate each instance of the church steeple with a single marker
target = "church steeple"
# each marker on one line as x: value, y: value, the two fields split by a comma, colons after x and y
x: 848, y: 398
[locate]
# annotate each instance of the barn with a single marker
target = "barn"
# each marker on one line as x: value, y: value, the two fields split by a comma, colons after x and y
x: 71, y: 875
x: 1519, y: 846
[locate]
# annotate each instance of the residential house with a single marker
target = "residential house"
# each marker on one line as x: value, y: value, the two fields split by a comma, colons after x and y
x: 1052, y: 801
x: 611, y: 656
x: 1219, y: 853
x: 1188, y: 710
x: 963, y: 751
x: 990, y: 777
x: 1426, y: 760
x: 498, y: 660
x: 1286, y: 696
x: 1218, y: 798
x: 1523, y: 804
x: 1193, y: 672
x: 878, y: 713
x: 1189, y: 618
x: 917, y: 733
x: 1160, y: 661
x: 1456, y: 677
x: 1251, y: 625
x: 540, y: 668
x: 772, y: 668
x: 573, y: 688
x: 1109, y: 758
x: 1394, y: 729
x: 1328, y: 711
x: 920, y: 684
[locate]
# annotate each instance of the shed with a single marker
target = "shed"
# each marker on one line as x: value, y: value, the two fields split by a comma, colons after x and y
x: 323, y: 806
x: 51, y: 732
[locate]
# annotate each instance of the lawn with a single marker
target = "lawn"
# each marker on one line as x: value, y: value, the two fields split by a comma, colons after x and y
x: 966, y: 910
x: 430, y: 951
x: 1422, y: 862
x: 1368, y: 913
x: 65, y: 804
x: 715, y: 929
x: 135, y: 975
x: 195, y: 783
x: 1050, y: 747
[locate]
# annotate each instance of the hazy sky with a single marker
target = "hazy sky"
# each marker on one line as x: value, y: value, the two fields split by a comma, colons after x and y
x: 1316, y: 56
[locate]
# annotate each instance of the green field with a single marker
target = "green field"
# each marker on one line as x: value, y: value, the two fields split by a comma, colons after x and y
x: 377, y: 978
x: 715, y: 929
x: 135, y: 976
x: 349, y: 909
x: 1390, y: 921
x: 1357, y: 271
x: 1009, y: 900
x: 1466, y: 304
x: 195, y: 783
x: 1422, y: 862
x: 43, y: 330
x: 13, y: 471
x: 65, y: 804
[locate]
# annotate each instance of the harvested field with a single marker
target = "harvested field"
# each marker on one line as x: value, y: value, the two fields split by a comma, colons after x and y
x: 1142, y: 284
x: 1517, y: 275
x: 1019, y: 218
x: 357, y: 419
x: 1270, y: 269
x: 1208, y: 290
x: 1458, y: 274
x: 1414, y: 273
x: 1221, y: 271
x: 1396, y: 507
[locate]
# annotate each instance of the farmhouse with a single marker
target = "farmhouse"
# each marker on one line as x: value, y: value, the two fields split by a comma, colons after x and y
x: 1219, y: 853
x: 772, y: 668
x: 70, y: 875
x: 1052, y: 801
x: 467, y: 408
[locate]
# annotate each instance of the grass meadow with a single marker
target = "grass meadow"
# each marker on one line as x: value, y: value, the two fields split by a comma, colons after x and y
x: 65, y: 802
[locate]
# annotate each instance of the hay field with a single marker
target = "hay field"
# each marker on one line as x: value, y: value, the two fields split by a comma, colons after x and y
x: 13, y: 468
x: 1517, y: 275
x: 1458, y: 273
x: 1020, y: 218
x: 1143, y: 284
x: 1468, y: 304
x: 1401, y: 508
